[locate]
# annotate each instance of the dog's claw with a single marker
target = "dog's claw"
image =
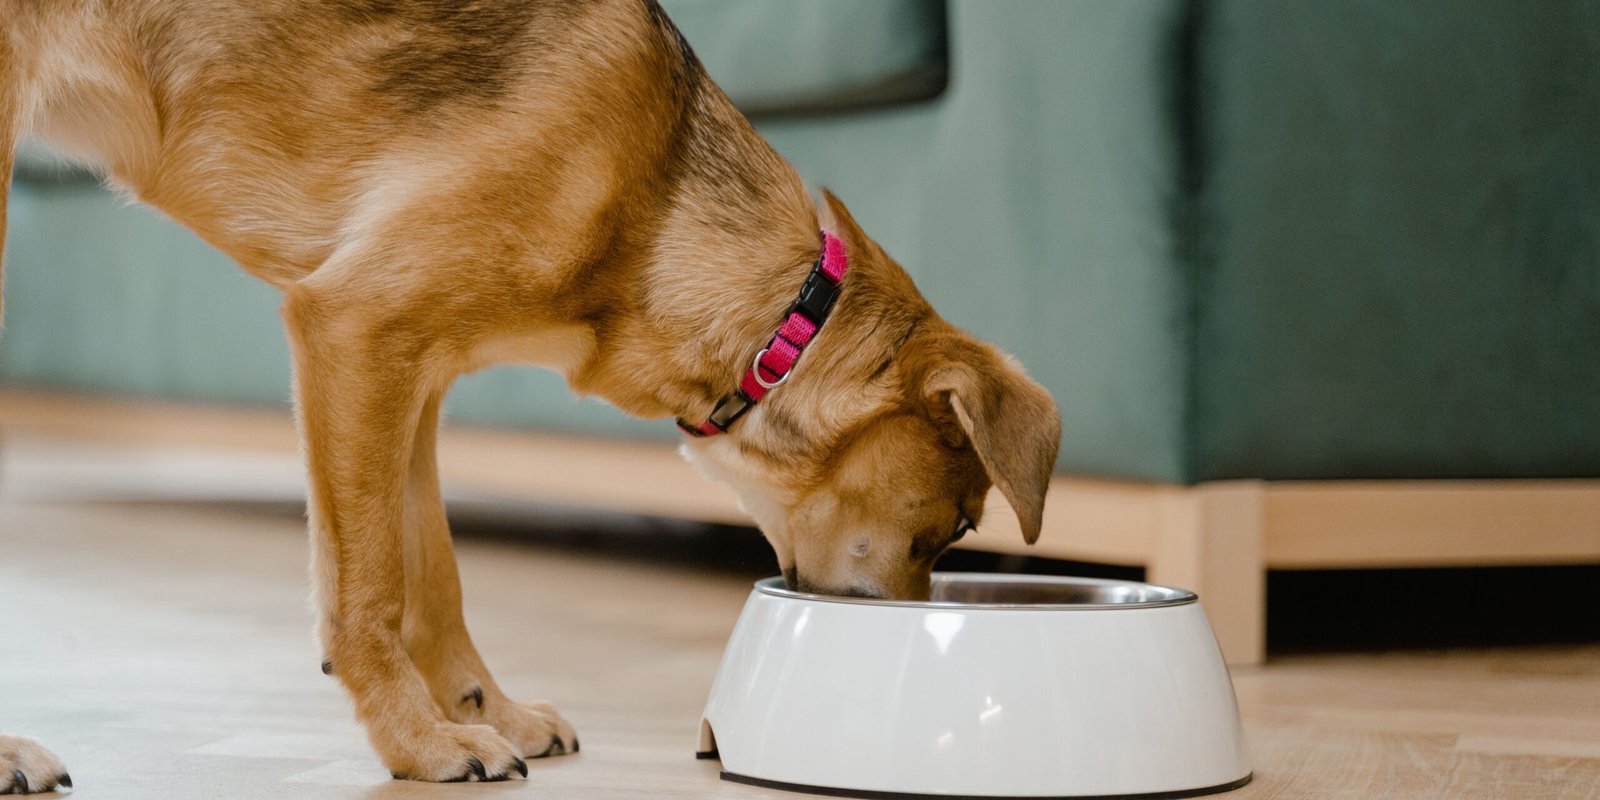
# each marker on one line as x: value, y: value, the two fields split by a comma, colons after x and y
x: 19, y: 782
x: 476, y: 773
x: 64, y: 780
x: 327, y: 667
x: 574, y: 744
x: 476, y: 695
x: 556, y: 748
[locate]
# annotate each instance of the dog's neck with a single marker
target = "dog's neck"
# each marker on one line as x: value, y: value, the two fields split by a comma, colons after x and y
x: 715, y: 275
x: 733, y: 233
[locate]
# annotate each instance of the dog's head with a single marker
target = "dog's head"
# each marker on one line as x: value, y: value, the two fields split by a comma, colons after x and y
x: 878, y: 453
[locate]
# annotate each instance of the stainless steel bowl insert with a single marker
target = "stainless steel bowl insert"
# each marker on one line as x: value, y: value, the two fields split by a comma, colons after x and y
x: 970, y: 590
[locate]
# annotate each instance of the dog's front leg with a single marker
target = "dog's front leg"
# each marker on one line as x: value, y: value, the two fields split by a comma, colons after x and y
x: 26, y: 767
x: 435, y: 632
x: 365, y: 365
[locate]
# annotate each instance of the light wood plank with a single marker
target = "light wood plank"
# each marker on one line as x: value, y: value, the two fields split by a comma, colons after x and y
x: 1331, y: 524
x: 1211, y: 543
x: 1085, y: 519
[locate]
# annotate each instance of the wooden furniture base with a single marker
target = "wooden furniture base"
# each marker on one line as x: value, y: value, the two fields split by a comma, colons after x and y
x: 1216, y: 538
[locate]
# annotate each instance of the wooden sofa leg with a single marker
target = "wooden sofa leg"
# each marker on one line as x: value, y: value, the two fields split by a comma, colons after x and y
x: 1211, y: 542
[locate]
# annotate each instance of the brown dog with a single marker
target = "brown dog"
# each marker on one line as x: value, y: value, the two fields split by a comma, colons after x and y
x: 436, y: 186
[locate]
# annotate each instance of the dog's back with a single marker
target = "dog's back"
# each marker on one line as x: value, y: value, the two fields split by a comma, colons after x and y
x: 279, y: 131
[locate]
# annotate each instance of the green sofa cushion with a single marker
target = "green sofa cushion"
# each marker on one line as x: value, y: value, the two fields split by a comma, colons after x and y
x: 106, y: 296
x: 1400, y: 272
x: 792, y: 56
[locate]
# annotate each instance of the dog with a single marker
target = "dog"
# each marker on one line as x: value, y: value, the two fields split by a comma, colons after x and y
x: 439, y: 185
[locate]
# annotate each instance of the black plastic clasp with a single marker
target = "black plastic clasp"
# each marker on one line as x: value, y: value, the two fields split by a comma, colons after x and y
x: 817, y: 295
x: 731, y: 409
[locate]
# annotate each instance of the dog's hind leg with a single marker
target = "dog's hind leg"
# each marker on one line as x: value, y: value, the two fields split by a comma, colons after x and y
x: 435, y: 632
x: 366, y: 367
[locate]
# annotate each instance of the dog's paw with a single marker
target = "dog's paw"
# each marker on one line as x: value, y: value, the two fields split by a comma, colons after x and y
x: 26, y: 767
x: 452, y: 753
x: 536, y: 729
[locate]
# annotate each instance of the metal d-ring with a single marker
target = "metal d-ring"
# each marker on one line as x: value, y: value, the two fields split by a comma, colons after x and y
x: 755, y: 369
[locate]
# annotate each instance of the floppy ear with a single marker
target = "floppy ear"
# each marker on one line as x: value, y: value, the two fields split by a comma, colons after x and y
x: 1010, y: 420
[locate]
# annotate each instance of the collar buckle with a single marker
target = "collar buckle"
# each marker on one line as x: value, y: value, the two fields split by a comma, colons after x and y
x: 817, y: 295
x: 731, y: 409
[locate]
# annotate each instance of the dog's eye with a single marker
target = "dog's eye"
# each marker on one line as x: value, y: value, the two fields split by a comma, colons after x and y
x: 962, y: 526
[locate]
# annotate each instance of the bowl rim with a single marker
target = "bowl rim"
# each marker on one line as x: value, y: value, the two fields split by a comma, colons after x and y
x: 1168, y: 595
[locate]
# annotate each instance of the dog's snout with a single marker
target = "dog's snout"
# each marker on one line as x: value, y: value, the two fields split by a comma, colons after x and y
x: 860, y: 592
x: 796, y: 583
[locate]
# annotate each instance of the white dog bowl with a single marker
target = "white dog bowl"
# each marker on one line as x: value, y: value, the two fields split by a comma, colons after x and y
x: 1000, y: 686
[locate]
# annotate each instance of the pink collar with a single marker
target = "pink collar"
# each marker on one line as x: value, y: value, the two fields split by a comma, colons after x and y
x: 772, y: 365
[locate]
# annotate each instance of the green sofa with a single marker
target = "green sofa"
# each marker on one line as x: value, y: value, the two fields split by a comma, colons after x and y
x: 1357, y: 239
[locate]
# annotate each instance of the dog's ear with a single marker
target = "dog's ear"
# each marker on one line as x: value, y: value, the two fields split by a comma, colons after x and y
x: 836, y: 218
x: 973, y: 389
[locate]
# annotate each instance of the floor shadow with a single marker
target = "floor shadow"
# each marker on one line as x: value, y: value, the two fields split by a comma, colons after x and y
x: 1308, y: 611
x: 1394, y: 609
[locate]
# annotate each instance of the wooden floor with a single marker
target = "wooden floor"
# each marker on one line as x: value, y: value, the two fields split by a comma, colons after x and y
x: 162, y: 648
